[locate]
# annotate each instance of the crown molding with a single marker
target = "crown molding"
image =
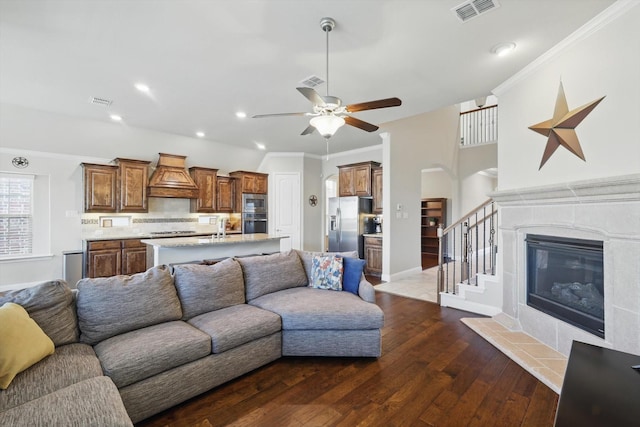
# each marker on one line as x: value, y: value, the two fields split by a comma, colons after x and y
x: 598, y: 22
x: 51, y: 155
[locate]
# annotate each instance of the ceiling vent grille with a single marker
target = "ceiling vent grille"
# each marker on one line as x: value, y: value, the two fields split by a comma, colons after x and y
x: 100, y: 101
x: 473, y: 8
x: 312, y: 81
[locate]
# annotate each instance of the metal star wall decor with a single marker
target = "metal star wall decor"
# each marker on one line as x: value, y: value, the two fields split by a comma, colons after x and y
x: 560, y: 128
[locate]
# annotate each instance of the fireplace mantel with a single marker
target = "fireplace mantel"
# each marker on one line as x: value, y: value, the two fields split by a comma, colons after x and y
x: 610, y: 189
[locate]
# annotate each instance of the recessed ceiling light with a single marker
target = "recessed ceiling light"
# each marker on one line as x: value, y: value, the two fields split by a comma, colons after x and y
x: 260, y: 146
x: 241, y: 114
x: 116, y: 118
x: 142, y: 87
x: 503, y: 49
x: 200, y: 134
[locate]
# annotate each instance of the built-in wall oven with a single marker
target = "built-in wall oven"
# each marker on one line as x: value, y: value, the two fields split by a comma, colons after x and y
x: 254, y: 213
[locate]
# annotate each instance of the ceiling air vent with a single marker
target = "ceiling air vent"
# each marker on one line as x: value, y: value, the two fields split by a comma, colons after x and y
x: 312, y: 81
x: 473, y: 8
x: 100, y: 101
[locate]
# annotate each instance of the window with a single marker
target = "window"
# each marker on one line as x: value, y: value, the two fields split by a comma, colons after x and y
x: 16, y: 214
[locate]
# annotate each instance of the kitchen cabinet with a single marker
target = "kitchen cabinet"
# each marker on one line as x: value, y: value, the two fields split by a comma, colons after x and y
x: 373, y: 255
x: 251, y: 182
x: 356, y: 179
x: 433, y: 213
x: 100, y: 187
x: 206, y: 180
x: 107, y: 258
x: 132, y: 185
x: 376, y: 190
x: 226, y: 194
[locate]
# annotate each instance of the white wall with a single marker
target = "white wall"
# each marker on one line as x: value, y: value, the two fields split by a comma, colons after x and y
x: 606, y: 62
x: 56, y: 145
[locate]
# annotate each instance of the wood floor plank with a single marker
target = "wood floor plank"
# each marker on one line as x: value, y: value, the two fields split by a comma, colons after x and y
x: 434, y: 371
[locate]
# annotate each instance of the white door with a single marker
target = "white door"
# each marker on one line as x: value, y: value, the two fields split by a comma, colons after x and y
x: 286, y: 209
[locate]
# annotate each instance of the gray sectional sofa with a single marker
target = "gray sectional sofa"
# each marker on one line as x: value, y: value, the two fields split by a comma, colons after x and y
x: 129, y: 347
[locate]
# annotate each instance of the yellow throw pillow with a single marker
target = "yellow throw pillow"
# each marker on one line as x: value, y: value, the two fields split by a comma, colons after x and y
x: 22, y: 342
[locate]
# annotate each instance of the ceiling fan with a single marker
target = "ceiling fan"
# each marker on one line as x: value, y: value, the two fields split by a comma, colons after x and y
x: 328, y: 112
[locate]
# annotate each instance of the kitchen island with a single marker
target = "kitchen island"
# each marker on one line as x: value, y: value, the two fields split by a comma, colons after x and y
x: 188, y: 249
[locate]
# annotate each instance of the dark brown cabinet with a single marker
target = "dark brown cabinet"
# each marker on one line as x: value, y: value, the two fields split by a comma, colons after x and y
x: 116, y: 188
x: 433, y: 213
x: 356, y: 179
x: 225, y: 197
x: 132, y: 184
x: 112, y: 257
x: 376, y: 190
x: 206, y: 180
x: 373, y: 255
x: 251, y: 182
x: 100, y: 187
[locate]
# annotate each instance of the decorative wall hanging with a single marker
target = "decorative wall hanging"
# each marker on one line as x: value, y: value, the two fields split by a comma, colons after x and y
x: 560, y: 128
x: 313, y: 200
x: 20, y: 162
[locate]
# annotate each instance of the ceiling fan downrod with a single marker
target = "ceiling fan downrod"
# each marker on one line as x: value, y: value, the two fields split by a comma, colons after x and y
x: 327, y: 24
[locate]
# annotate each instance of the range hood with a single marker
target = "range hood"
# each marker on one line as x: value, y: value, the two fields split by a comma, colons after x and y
x: 171, y: 179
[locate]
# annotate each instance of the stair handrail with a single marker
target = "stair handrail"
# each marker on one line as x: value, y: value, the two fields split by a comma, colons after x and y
x: 464, y: 217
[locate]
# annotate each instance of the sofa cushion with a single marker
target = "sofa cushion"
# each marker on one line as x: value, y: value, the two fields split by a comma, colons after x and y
x: 233, y: 326
x: 69, y: 364
x: 92, y: 402
x: 271, y: 273
x: 109, y: 306
x: 308, y: 308
x: 51, y: 305
x: 307, y: 259
x: 326, y: 272
x: 140, y: 354
x: 22, y: 342
x: 352, y: 274
x: 204, y: 288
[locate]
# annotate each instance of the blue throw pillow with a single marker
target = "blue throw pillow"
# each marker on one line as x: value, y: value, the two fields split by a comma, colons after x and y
x: 352, y: 274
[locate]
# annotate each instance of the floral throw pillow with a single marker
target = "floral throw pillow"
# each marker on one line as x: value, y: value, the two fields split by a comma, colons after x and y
x: 326, y: 272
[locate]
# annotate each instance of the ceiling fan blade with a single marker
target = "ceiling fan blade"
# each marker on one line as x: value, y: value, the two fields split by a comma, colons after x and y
x: 360, y: 124
x: 309, y: 130
x: 259, y: 116
x: 372, y: 105
x: 311, y: 95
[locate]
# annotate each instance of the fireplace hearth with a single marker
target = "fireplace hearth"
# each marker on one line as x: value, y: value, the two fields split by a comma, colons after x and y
x: 565, y: 280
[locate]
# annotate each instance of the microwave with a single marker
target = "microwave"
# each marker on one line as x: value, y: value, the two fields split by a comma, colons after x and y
x: 254, y: 203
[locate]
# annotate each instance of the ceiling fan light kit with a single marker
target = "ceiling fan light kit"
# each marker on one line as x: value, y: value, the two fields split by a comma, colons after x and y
x: 327, y: 125
x: 328, y: 112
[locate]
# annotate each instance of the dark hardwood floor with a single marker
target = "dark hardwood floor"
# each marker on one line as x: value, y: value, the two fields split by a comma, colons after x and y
x: 434, y: 371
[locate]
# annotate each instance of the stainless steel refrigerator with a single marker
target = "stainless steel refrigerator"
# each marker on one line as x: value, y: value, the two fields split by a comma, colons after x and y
x: 347, y: 217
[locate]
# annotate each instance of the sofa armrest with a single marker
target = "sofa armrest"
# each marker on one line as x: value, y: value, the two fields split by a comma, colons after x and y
x: 366, y: 291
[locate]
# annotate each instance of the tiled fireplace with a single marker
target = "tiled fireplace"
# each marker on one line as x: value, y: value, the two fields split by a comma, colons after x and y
x: 605, y: 212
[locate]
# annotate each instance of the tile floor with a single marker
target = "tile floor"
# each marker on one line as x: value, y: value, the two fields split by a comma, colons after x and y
x: 422, y: 286
x: 538, y: 359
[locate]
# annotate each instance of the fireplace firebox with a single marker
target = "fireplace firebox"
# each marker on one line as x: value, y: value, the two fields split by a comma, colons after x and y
x: 565, y: 279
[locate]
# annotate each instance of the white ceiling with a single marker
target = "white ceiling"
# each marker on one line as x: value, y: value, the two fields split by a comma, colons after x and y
x: 206, y: 59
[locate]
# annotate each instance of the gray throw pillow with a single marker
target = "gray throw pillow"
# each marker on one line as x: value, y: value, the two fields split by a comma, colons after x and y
x: 109, y: 306
x: 271, y: 273
x: 50, y: 304
x: 205, y: 288
x: 307, y: 259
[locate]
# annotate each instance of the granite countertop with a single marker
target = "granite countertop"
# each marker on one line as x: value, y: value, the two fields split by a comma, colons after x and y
x: 175, y: 242
x: 153, y: 236
x: 378, y: 235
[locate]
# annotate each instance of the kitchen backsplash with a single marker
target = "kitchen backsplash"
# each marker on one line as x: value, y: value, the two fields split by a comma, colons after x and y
x: 164, y: 215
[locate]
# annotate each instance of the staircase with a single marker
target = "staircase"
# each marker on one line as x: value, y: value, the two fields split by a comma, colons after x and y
x: 466, y: 274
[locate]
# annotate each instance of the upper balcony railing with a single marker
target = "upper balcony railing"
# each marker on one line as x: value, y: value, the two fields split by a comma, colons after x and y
x: 479, y: 126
